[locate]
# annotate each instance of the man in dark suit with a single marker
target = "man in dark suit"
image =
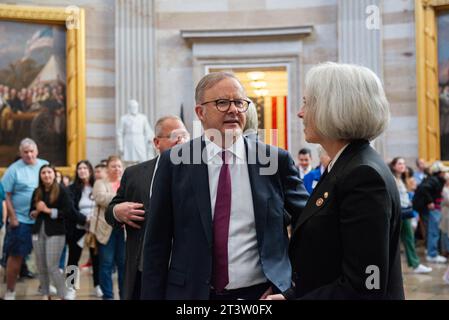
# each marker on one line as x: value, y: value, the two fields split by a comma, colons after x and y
x: 216, y: 228
x: 128, y: 206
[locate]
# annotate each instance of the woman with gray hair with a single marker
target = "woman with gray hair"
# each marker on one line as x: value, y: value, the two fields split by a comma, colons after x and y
x: 345, y: 244
x: 252, y: 122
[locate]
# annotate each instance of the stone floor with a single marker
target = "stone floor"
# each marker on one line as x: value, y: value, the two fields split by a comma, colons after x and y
x: 417, y: 287
x: 425, y: 286
x: 27, y: 289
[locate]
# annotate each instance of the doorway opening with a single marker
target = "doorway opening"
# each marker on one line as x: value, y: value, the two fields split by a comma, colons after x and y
x: 267, y: 87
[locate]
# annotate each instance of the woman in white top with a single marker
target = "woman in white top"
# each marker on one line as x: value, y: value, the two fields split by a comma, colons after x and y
x: 81, y: 192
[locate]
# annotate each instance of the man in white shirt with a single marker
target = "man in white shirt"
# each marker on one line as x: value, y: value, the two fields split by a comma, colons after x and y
x: 304, y: 162
x: 216, y: 227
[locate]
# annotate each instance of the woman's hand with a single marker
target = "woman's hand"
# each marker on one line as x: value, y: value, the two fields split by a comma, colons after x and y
x: 87, y: 224
x: 42, y: 207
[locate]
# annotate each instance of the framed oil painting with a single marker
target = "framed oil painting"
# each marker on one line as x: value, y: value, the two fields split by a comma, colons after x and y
x: 432, y: 41
x: 42, y: 83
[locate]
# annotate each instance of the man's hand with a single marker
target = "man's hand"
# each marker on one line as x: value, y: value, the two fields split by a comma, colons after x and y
x: 129, y: 212
x: 268, y: 295
x: 275, y: 297
x: 268, y: 292
x: 12, y: 218
x: 34, y: 214
x: 13, y: 222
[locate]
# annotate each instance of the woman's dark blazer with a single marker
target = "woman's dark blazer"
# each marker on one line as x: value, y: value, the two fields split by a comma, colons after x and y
x: 345, y: 244
x: 53, y: 227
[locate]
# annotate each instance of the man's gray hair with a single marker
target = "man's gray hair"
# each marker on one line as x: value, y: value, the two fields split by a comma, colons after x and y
x: 27, y: 142
x: 209, y: 80
x: 346, y: 102
x: 160, y: 122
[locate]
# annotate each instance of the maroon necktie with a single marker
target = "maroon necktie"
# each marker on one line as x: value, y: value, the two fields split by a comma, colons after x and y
x: 222, y: 214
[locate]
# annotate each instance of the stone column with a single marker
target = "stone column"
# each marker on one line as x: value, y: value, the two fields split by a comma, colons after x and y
x: 135, y: 56
x: 360, y: 40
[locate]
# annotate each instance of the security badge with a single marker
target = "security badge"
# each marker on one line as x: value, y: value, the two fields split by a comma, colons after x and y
x: 320, y: 201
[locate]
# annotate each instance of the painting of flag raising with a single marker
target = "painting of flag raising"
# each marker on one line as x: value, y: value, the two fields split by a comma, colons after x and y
x: 33, y: 89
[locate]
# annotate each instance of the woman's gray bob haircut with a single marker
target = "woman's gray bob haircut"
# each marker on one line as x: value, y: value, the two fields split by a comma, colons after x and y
x: 346, y: 102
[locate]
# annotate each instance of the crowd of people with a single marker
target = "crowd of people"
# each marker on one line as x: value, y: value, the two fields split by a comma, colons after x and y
x: 424, y: 196
x: 56, y: 218
x: 208, y: 219
x: 22, y: 100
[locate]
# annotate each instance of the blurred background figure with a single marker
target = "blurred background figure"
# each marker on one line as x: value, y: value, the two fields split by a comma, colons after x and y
x: 50, y: 208
x: 304, y: 162
x: 111, y: 241
x: 421, y: 171
x: 427, y: 202
x: 399, y: 169
x: 81, y: 191
x: 311, y: 179
x: 252, y: 122
x: 100, y: 171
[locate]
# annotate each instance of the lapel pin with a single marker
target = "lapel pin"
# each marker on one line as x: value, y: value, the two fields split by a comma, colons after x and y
x: 319, y: 202
x: 326, y: 194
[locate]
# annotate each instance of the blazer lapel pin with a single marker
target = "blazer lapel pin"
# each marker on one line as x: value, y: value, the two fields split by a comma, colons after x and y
x: 319, y: 202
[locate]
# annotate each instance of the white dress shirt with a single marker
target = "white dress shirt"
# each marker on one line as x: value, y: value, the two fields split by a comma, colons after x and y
x: 244, y: 267
x: 303, y: 172
x: 332, y: 162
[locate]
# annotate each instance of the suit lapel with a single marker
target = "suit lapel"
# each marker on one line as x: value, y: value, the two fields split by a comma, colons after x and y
x: 314, y: 204
x: 199, y: 179
x: 148, y: 173
x: 318, y: 199
x: 258, y: 185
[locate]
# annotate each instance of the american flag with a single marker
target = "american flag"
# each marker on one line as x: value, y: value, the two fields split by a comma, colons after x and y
x: 42, y: 38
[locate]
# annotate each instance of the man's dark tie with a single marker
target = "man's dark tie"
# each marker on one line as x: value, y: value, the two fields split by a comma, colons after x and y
x: 220, y: 277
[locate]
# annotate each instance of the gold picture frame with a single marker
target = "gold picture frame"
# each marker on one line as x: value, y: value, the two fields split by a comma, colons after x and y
x: 73, y: 20
x: 426, y: 12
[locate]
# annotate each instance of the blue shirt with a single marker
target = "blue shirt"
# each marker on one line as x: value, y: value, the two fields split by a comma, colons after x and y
x: 419, y: 177
x: 2, y: 198
x: 311, y: 179
x: 20, y: 180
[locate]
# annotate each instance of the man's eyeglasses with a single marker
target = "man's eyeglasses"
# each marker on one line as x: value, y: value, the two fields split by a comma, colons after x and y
x: 223, y: 105
x: 177, y: 136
